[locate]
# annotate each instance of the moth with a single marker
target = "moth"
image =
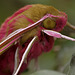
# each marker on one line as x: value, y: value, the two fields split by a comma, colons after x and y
x: 37, y: 20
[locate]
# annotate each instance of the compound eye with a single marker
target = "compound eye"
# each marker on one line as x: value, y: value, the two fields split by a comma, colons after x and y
x: 49, y: 23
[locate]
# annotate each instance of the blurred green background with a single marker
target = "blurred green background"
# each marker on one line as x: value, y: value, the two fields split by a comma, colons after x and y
x: 8, y: 7
x: 63, y: 49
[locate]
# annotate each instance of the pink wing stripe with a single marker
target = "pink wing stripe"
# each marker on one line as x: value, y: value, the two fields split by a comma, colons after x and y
x: 9, y: 44
x: 30, y: 20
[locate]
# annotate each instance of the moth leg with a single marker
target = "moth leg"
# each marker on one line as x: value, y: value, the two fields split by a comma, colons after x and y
x: 57, y: 35
x: 16, y: 64
x: 25, y: 54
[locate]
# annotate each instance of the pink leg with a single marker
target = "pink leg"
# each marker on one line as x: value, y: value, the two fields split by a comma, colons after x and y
x: 57, y: 34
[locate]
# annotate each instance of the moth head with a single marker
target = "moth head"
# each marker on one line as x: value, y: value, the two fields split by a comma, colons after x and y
x: 49, y: 23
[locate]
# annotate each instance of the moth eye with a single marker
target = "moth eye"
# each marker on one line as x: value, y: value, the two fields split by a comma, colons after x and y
x: 49, y: 23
